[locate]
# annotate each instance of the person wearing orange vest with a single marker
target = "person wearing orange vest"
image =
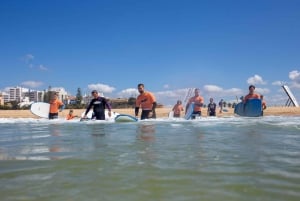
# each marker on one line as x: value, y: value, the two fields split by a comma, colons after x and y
x: 55, y: 106
x: 147, y: 101
x: 71, y: 115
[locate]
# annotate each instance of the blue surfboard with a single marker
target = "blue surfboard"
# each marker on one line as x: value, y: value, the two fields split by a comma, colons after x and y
x: 189, y: 111
x: 252, y: 108
x: 125, y: 118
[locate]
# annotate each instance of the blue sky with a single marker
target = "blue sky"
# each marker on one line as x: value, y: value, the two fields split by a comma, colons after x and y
x: 219, y: 46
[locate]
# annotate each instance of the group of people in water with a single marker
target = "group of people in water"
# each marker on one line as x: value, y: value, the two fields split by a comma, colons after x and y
x: 147, y: 102
x: 212, y: 106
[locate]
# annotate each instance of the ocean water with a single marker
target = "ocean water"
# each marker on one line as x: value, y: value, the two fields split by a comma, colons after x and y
x: 229, y: 158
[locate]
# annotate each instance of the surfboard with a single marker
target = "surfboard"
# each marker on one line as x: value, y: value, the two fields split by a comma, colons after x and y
x: 171, y: 114
x: 252, y: 108
x: 90, y: 115
x: 189, y: 111
x: 125, y: 118
x: 40, y: 109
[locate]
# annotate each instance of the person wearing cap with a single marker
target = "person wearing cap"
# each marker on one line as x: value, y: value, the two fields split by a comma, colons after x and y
x: 55, y: 106
x: 251, y: 94
x: 98, y: 104
x: 147, y: 101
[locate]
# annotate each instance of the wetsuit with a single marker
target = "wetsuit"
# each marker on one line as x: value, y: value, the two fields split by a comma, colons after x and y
x: 98, y: 105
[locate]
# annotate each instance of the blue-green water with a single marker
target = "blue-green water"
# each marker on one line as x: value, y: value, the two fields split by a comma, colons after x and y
x: 207, y: 159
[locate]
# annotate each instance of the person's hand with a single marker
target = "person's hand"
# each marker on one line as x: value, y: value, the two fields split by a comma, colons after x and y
x: 109, y: 113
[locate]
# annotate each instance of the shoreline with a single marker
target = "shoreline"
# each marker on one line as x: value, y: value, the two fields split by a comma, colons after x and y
x: 160, y: 112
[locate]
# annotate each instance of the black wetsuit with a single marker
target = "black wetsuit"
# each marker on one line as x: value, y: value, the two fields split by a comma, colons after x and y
x: 98, y: 105
x: 212, y: 109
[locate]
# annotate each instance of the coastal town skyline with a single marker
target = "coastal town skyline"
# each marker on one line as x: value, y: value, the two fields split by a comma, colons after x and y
x: 220, y: 47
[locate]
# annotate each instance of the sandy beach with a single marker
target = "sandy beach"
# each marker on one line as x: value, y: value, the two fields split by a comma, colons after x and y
x: 160, y: 112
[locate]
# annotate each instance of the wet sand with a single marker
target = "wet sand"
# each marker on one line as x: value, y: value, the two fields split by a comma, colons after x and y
x: 160, y: 112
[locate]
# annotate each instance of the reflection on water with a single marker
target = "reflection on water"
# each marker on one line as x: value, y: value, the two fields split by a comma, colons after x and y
x: 206, y: 159
x: 146, y: 131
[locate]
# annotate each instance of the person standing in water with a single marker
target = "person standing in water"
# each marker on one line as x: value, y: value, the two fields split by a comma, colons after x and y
x: 147, y: 101
x: 98, y: 104
x: 211, y: 108
x: 198, y: 103
x: 177, y: 109
x: 55, y: 106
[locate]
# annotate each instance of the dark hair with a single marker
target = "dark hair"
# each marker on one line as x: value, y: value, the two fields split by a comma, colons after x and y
x: 251, y: 86
x: 141, y: 85
x: 94, y: 91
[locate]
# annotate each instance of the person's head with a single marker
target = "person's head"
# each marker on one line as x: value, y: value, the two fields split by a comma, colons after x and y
x: 179, y: 102
x: 211, y: 100
x: 95, y: 93
x: 55, y: 96
x: 141, y: 88
x: 261, y: 96
x: 197, y: 91
x: 71, y: 111
x: 251, y: 88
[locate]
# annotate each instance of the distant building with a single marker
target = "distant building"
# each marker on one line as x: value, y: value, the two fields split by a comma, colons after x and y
x: 1, y: 99
x: 15, y: 94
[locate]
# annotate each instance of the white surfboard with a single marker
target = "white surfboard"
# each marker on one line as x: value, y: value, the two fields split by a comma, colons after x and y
x: 40, y: 109
x: 125, y: 118
x: 107, y: 117
x: 171, y: 114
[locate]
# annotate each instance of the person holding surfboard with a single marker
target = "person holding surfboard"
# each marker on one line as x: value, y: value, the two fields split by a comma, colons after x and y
x: 198, y: 103
x: 147, y: 101
x: 98, y: 104
x: 177, y: 108
x: 55, y: 106
x: 251, y: 94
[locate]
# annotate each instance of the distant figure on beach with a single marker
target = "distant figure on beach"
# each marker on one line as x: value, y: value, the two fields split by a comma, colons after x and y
x: 211, y: 108
x: 98, y: 104
x: 251, y: 94
x: 147, y: 101
x: 198, y: 103
x: 71, y: 115
x: 221, y: 105
x: 55, y: 106
x: 177, y: 108
x: 263, y: 104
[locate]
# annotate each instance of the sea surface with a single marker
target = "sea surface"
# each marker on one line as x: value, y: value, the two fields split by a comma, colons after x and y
x: 233, y: 158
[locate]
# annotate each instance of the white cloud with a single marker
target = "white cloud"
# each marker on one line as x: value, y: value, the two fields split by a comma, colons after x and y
x: 278, y: 83
x: 32, y: 84
x: 212, y: 89
x: 43, y: 68
x: 28, y: 58
x: 256, y: 79
x: 102, y: 88
x: 127, y: 93
x: 262, y: 90
x: 166, y: 86
x: 295, y: 76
